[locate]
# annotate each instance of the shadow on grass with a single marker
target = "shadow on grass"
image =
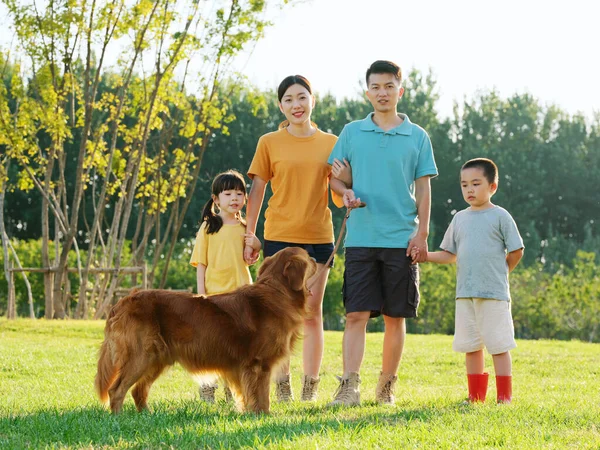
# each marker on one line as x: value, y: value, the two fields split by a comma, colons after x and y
x: 191, y: 424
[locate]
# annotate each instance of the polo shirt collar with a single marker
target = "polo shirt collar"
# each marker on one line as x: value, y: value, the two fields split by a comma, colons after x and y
x: 405, y: 128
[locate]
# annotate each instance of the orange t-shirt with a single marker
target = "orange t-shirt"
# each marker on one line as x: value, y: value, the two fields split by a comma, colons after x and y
x: 298, y: 171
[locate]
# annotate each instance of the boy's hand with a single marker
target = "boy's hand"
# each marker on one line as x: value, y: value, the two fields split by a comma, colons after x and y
x: 420, y: 243
x: 350, y: 200
x: 342, y: 171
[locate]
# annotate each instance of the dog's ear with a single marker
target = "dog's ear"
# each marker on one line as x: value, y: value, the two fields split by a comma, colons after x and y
x: 265, y: 264
x: 295, y: 271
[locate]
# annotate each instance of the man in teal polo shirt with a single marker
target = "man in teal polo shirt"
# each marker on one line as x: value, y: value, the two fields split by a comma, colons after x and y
x: 392, y: 162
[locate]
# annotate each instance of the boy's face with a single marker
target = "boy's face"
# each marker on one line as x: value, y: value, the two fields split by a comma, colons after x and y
x: 476, y: 189
x: 384, y: 91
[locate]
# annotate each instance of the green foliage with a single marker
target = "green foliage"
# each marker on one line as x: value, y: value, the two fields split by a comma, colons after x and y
x: 564, y: 305
x: 48, y: 400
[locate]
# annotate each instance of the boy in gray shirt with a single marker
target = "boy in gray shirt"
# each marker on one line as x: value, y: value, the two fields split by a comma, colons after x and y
x: 485, y: 243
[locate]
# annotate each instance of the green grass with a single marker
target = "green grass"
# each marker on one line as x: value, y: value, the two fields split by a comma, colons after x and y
x: 47, y: 400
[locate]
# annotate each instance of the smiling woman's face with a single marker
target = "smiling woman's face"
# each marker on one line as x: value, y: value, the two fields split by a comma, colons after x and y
x: 297, y: 104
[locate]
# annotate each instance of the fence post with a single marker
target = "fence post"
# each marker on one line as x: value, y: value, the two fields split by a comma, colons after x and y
x: 11, y: 306
x: 49, y: 292
x: 145, y: 276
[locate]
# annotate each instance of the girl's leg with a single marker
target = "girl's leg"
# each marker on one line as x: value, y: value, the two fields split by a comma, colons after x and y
x: 312, y: 351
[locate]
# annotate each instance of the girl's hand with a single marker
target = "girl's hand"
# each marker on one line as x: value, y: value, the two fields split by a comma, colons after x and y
x: 342, y: 171
x: 250, y: 255
x: 252, y: 248
x: 251, y: 240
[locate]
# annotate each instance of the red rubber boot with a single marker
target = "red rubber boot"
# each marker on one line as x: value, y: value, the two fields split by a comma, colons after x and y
x: 478, y: 384
x: 504, y: 388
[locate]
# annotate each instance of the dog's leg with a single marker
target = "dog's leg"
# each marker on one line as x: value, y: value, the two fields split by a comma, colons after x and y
x: 129, y: 374
x: 142, y: 387
x: 255, y: 389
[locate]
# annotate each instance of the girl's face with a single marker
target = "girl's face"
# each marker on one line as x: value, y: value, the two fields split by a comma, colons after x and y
x: 297, y: 104
x: 230, y: 201
x: 476, y: 189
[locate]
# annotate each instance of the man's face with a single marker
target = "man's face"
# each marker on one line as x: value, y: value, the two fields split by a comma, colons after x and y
x: 384, y: 91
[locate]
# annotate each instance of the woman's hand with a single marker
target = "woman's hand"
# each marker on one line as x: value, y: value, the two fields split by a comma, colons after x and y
x: 342, y: 171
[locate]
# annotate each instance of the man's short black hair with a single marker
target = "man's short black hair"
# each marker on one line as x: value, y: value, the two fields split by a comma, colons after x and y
x: 381, y: 66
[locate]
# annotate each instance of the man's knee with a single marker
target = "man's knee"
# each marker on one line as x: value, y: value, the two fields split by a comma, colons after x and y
x: 394, y: 324
x: 357, y: 319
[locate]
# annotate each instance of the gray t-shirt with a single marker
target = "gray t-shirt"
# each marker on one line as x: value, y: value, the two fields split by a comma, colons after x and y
x: 480, y: 240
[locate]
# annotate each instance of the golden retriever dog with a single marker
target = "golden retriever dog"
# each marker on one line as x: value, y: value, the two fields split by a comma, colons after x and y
x: 241, y: 336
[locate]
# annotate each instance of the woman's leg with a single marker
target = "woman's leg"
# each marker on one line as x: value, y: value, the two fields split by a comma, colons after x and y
x: 312, y: 352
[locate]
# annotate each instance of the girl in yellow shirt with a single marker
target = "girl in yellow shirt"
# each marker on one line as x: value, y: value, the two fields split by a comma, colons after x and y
x: 219, y: 248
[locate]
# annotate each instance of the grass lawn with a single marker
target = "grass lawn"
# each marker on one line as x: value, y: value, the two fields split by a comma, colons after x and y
x: 47, y: 400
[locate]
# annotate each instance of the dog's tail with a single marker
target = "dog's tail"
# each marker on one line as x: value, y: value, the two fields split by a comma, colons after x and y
x: 107, y: 371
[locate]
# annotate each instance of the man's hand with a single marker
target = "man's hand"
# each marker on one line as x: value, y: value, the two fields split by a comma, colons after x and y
x: 414, y: 254
x: 350, y: 200
x: 417, y: 249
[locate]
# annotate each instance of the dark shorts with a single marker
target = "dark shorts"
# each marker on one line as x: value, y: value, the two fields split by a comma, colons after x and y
x: 321, y: 252
x: 382, y: 281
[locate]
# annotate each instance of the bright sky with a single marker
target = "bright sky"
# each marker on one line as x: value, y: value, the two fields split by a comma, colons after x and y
x: 547, y: 48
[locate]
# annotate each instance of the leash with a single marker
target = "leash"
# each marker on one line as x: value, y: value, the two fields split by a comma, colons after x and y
x: 337, y: 244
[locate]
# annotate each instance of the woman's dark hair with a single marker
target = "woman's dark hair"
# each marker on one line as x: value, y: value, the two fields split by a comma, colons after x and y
x: 290, y: 81
x: 226, y: 181
x: 489, y: 168
x: 382, y: 66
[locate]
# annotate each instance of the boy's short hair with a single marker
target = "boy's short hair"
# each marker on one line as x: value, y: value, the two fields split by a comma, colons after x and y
x: 490, y: 170
x: 382, y: 66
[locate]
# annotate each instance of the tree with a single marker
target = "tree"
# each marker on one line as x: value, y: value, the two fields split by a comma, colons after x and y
x: 116, y: 125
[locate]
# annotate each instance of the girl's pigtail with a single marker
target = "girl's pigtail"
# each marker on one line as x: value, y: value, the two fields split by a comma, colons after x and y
x: 213, y: 221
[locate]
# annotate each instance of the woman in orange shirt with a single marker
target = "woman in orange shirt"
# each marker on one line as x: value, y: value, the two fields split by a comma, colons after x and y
x: 294, y: 160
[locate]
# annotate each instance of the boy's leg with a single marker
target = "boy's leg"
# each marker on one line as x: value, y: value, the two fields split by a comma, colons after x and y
x: 467, y: 339
x: 475, y: 362
x: 499, y: 337
x: 503, y: 369
x: 502, y: 364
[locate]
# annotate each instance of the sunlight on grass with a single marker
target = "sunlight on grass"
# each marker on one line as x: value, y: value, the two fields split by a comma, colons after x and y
x: 47, y: 400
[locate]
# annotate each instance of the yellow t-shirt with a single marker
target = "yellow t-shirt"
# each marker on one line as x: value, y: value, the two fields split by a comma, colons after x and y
x: 223, y: 255
x: 298, y: 172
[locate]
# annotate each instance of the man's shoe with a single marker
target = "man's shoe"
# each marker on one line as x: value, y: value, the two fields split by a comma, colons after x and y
x: 384, y: 393
x: 348, y: 392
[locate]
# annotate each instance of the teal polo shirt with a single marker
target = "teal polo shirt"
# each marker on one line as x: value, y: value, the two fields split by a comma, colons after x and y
x: 385, y: 165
